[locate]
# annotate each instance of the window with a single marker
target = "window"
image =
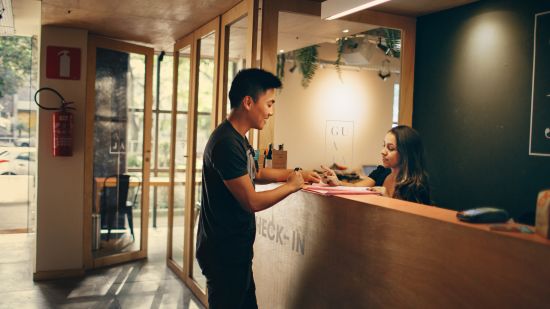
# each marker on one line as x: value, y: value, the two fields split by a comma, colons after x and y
x: 395, y: 118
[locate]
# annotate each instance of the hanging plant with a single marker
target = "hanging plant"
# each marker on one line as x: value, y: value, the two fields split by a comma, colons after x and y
x: 307, y: 58
x: 343, y: 44
x: 339, y: 50
x: 393, y: 39
x: 281, y: 59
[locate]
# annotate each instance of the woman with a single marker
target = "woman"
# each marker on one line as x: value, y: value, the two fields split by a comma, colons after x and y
x: 402, y: 172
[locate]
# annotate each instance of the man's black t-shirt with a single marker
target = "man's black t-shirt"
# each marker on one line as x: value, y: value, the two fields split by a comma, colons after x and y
x: 226, y: 230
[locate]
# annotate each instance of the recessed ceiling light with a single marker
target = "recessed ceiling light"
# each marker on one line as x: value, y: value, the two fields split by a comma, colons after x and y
x: 282, y: 51
x: 345, y: 30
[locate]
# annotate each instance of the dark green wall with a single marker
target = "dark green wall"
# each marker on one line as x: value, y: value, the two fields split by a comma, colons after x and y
x: 472, y: 103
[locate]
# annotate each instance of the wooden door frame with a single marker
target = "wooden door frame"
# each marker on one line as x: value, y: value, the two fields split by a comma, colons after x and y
x: 93, y: 43
x: 268, y: 60
x: 241, y: 10
x: 212, y: 26
x: 219, y: 25
x: 186, y: 41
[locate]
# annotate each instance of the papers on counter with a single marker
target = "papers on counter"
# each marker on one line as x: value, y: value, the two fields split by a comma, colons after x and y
x: 340, y: 190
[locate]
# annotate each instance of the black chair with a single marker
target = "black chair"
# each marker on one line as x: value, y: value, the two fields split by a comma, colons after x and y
x: 115, y: 203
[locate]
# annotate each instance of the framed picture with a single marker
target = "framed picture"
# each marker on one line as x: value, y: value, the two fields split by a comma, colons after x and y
x: 339, y: 142
x: 539, y: 137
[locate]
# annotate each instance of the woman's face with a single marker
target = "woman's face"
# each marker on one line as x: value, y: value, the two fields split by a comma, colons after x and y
x: 390, y: 156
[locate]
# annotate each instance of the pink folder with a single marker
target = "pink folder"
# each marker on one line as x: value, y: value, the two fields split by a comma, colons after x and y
x: 340, y: 190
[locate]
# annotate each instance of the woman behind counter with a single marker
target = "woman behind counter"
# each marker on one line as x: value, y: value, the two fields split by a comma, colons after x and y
x: 402, y: 172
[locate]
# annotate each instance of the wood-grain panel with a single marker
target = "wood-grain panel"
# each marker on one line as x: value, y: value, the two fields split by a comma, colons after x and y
x: 357, y: 254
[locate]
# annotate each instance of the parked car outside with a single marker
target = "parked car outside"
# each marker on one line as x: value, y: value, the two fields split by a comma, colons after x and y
x: 17, y: 160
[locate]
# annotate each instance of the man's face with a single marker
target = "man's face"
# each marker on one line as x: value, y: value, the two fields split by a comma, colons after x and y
x: 262, y: 109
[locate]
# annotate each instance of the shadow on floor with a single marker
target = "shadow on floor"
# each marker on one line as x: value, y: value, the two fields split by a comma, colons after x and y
x: 142, y: 284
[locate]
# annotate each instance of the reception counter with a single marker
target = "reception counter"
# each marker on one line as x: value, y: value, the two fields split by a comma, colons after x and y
x: 366, y: 251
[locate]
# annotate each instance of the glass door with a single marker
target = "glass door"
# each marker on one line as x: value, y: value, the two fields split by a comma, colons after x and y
x: 235, y: 53
x: 118, y: 135
x: 203, y: 120
x: 200, y: 104
x: 180, y: 108
x: 194, y: 106
x: 18, y: 127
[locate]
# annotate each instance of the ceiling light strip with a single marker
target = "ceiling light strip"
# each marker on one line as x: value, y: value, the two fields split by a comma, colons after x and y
x: 333, y: 9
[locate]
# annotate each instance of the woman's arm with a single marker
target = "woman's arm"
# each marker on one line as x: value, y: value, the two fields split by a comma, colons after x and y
x: 330, y: 178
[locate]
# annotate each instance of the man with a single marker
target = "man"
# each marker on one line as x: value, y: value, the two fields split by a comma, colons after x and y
x: 227, y: 226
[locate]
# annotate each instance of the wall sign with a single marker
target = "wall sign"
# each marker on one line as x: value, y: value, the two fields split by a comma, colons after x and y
x: 339, y: 142
x: 539, y: 143
x: 62, y: 63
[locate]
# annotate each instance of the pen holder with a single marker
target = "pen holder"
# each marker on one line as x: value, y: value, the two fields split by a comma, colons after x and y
x: 542, y: 223
x: 279, y: 159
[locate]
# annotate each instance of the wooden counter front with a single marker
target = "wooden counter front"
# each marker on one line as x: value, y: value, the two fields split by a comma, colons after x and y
x: 314, y: 251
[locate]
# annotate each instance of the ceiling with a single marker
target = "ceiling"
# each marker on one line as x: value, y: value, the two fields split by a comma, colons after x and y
x: 160, y: 23
x: 415, y: 8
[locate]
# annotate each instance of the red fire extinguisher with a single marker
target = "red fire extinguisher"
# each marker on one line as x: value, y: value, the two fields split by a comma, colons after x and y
x: 62, y: 125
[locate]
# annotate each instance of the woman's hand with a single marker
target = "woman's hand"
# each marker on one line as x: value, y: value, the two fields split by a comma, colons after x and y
x: 380, y: 189
x: 329, y: 177
x: 311, y: 176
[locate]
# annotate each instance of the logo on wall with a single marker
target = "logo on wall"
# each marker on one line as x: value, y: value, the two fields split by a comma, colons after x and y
x: 63, y: 63
x: 339, y: 142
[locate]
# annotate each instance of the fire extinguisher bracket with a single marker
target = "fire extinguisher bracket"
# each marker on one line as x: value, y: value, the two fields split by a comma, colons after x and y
x: 62, y: 125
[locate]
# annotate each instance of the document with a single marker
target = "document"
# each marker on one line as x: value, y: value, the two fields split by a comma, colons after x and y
x: 340, y: 190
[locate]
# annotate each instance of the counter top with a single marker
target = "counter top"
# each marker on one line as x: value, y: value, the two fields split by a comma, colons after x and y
x: 437, y: 213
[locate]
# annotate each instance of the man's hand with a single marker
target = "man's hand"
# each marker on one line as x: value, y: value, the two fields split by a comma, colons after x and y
x: 311, y: 176
x: 295, y: 180
x: 329, y: 177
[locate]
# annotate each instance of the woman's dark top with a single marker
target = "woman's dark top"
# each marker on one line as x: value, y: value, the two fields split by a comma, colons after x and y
x: 379, y: 175
x: 407, y: 192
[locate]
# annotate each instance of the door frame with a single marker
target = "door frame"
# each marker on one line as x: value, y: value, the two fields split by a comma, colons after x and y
x: 220, y: 25
x: 192, y: 40
x: 181, y: 43
x: 93, y: 43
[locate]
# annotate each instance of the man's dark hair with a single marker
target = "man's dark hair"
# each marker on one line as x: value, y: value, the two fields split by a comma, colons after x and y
x: 253, y: 83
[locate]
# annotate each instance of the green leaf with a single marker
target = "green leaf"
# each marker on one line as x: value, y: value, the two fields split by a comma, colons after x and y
x: 308, y: 63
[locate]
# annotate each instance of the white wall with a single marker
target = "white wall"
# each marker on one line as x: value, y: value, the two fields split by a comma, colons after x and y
x: 61, y: 179
x: 302, y: 115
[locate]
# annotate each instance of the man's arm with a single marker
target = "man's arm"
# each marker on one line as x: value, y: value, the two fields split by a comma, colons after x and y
x: 243, y: 191
x: 266, y: 175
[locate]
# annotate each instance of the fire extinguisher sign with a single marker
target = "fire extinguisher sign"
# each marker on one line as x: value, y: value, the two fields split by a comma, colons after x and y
x: 62, y: 63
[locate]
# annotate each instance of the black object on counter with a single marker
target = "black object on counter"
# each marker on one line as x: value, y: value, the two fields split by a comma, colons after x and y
x: 483, y: 215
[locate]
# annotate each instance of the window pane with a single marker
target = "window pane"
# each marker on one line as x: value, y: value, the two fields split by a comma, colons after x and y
x: 118, y: 150
x: 204, y: 128
x: 165, y: 127
x: 184, y: 73
x: 180, y: 160
x: 237, y: 53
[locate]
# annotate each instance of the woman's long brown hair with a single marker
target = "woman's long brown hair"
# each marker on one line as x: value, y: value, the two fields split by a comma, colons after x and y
x: 412, y: 180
